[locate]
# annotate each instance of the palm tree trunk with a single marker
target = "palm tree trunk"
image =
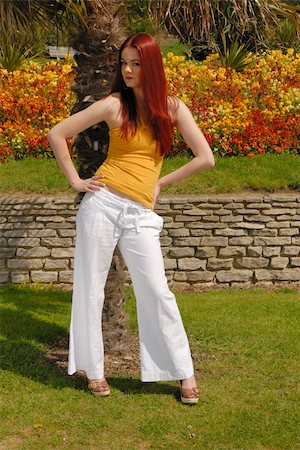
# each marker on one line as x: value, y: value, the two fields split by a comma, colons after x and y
x: 96, y: 57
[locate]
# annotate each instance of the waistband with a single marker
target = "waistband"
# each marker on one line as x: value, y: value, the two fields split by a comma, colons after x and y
x: 105, y: 194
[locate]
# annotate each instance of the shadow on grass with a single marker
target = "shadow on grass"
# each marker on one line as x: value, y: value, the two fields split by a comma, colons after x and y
x: 26, y: 336
x: 29, y: 328
x: 133, y: 386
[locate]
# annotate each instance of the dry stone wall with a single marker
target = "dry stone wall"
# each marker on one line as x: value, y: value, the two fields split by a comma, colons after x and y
x: 207, y: 241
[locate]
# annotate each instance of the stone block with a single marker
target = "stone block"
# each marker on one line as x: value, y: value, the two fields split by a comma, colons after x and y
x: 6, y: 226
x: 210, y: 205
x: 285, y: 205
x: 180, y: 276
x: 34, y: 252
x: 217, y: 241
x: 44, y: 277
x: 200, y: 276
x: 170, y: 263
x: 66, y: 233
x: 56, y: 242
x: 165, y: 241
x: 25, y: 264
x: 295, y: 223
x: 223, y: 212
x: 199, y: 232
x: 7, y: 253
x: 296, y: 240
x: 206, y: 226
x: 251, y: 263
x: 259, y: 205
x: 234, y: 206
x: 172, y: 225
x: 278, y: 262
x: 198, y: 212
x: 265, y: 232
x: 60, y: 225
x: 246, y: 240
x: 179, y: 252
x: 279, y: 211
x: 290, y: 251
x: 210, y: 219
x: 65, y: 276
x: 274, y: 224
x: 4, y: 277
x: 206, y: 252
x: 23, y: 242
x: 42, y: 233
x: 248, y: 226
x: 220, y: 199
x: 232, y: 251
x: 229, y: 276
x: 231, y: 219
x: 49, y: 219
x: 3, y: 242
x: 56, y: 264
x: 20, y: 277
x: 271, y: 251
x: 273, y: 241
x: 189, y: 241
x: 182, y: 207
x: 289, y: 232
x: 62, y: 252
x: 219, y: 264
x: 175, y: 200
x: 181, y: 232
x: 260, y: 218
x: 281, y: 198
x: 277, y: 275
x: 16, y: 233
x: 185, y: 218
x: 229, y: 232
x: 191, y: 264
x: 254, y: 251
x: 295, y: 262
x: 245, y: 211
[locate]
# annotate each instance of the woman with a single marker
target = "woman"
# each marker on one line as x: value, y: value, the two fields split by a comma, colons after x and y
x: 118, y: 209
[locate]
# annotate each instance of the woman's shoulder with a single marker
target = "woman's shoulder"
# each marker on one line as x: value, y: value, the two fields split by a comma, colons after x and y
x: 174, y: 104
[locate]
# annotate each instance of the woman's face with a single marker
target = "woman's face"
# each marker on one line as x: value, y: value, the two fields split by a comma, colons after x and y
x: 131, y: 67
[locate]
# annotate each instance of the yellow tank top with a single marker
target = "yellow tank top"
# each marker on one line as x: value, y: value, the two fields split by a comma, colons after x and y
x: 132, y: 166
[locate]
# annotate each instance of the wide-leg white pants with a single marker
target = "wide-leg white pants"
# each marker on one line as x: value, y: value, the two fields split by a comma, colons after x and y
x: 103, y: 221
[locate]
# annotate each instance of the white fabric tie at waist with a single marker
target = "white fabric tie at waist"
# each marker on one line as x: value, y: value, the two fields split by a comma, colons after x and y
x: 124, y: 212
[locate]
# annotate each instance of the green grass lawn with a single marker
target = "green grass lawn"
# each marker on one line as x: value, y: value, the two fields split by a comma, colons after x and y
x: 246, y: 347
x: 261, y: 173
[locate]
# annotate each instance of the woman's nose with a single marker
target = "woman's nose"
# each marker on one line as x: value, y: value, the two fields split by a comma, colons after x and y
x: 127, y: 68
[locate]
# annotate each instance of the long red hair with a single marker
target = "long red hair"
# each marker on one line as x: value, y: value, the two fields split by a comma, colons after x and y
x: 154, y: 89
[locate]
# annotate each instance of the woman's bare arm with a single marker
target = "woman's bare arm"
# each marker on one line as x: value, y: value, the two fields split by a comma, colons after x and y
x: 97, y: 112
x: 194, y: 138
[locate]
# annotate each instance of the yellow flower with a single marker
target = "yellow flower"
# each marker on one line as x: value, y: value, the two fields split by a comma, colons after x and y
x: 170, y: 55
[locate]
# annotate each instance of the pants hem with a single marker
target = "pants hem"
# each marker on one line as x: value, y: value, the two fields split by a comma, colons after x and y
x: 167, y: 375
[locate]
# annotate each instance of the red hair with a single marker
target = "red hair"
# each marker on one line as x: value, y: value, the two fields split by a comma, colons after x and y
x: 154, y: 89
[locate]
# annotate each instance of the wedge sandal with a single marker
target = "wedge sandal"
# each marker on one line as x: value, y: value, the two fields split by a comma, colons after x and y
x: 99, y: 388
x: 189, y: 396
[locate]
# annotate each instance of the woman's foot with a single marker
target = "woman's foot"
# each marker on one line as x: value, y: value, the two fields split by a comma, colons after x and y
x: 189, y: 391
x: 99, y: 387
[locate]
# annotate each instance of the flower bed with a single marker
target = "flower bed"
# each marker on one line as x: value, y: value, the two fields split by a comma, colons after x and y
x: 252, y: 112
x: 32, y: 100
x: 242, y: 113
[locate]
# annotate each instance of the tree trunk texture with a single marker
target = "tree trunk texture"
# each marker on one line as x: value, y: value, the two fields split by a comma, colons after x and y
x: 96, y: 58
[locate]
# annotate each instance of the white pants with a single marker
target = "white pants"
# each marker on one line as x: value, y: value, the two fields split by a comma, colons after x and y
x: 103, y: 221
